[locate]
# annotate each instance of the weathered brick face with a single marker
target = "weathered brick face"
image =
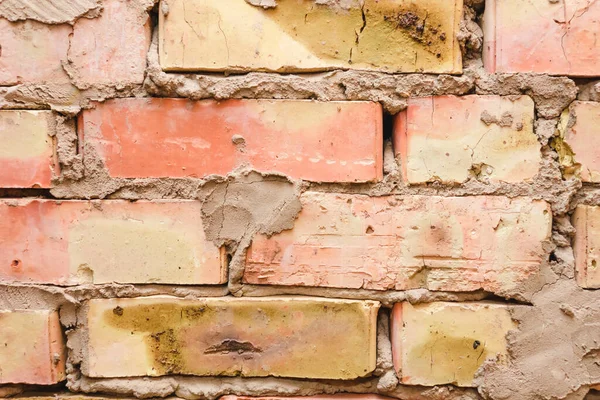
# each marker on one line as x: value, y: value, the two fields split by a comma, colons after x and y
x: 243, y: 38
x: 586, y: 220
x: 451, y: 139
x: 27, y: 150
x: 277, y: 336
x: 137, y: 138
x: 442, y: 343
x: 108, y: 50
x: 396, y: 242
x: 32, y: 350
x: 554, y: 37
x: 299, y: 199
x: 75, y: 242
x: 578, y: 129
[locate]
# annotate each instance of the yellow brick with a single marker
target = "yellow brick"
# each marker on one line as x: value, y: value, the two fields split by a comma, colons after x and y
x: 386, y: 35
x: 586, y: 246
x: 441, y: 343
x: 26, y: 149
x: 31, y: 347
x: 451, y: 139
x: 298, y: 337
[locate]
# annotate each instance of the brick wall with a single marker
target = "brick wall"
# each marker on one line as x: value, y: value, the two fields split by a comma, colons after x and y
x: 273, y: 199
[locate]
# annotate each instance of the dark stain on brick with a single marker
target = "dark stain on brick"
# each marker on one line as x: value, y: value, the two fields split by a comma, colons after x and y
x: 232, y: 345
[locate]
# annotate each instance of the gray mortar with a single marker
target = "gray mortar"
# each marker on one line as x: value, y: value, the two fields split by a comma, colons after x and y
x: 560, y: 327
x: 49, y: 11
x: 589, y: 91
x: 263, y: 3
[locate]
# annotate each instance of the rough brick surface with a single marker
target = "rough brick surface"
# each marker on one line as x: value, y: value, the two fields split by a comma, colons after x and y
x: 452, y: 138
x: 107, y: 50
x: 278, y: 336
x: 179, y: 138
x: 354, y: 241
x: 438, y: 343
x: 341, y: 396
x: 27, y: 152
x: 554, y: 37
x: 111, y: 50
x: 32, y: 349
x: 299, y: 36
x: 579, y: 130
x: 586, y: 246
x: 171, y: 170
x: 108, y: 241
x: 32, y: 52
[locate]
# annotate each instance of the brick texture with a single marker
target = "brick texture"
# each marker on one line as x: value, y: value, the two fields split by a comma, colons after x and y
x: 299, y: 36
x: 342, y: 396
x: 107, y: 50
x: 554, y: 37
x: 137, y: 138
x: 24, y: 42
x: 32, y: 349
x: 106, y: 241
x: 26, y: 149
x: 586, y: 246
x: 439, y: 343
x: 120, y: 41
x: 578, y: 128
x: 396, y: 242
x: 452, y: 138
x: 299, y: 199
x: 275, y: 336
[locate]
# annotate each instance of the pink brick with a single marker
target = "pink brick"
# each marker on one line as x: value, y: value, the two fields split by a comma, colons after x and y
x: 71, y: 242
x: 395, y: 242
x: 451, y: 138
x: 341, y: 396
x: 330, y: 142
x: 107, y: 50
x: 558, y: 38
x: 111, y: 50
x: 32, y: 348
x: 32, y: 52
x: 27, y: 152
x: 586, y: 220
x: 579, y: 129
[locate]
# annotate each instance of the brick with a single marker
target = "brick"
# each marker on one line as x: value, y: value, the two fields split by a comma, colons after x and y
x: 303, y: 36
x: 341, y: 396
x: 107, y: 50
x: 557, y: 38
x: 395, y: 242
x: 586, y: 246
x: 451, y: 138
x: 32, y: 52
x: 440, y: 343
x: 26, y: 149
x: 112, y: 49
x: 273, y: 336
x: 32, y: 348
x: 176, y: 138
x: 73, y: 242
x: 50, y: 395
x: 578, y: 128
